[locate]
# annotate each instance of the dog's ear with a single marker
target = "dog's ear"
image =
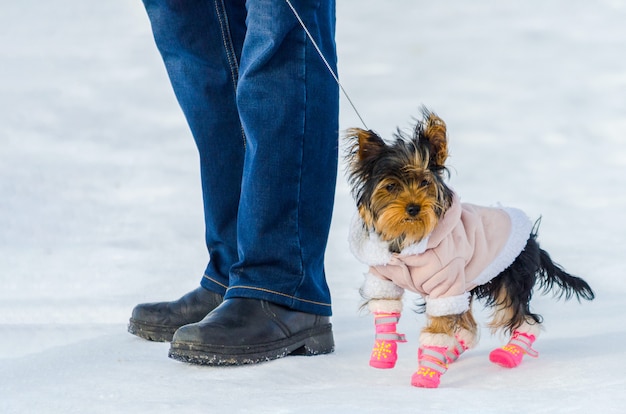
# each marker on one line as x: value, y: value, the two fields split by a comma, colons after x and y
x: 432, y: 132
x: 366, y: 145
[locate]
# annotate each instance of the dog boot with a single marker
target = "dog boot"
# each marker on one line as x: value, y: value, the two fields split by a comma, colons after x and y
x: 510, y: 355
x: 384, y: 354
x: 433, y: 363
x: 453, y: 353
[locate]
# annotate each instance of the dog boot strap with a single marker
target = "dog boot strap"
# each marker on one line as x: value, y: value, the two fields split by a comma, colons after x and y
x: 432, y: 365
x: 433, y: 358
x: 525, y: 342
x: 391, y: 336
x: 386, y: 327
x: 453, y: 353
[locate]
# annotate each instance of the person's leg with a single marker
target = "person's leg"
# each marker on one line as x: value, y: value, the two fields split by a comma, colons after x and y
x: 201, y: 47
x: 288, y: 105
x: 278, y: 301
x: 201, y: 41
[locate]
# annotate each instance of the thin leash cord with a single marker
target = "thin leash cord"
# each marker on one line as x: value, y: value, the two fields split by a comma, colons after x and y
x: 330, y: 69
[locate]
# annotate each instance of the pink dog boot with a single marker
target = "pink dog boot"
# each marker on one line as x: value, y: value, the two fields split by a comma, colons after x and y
x: 455, y: 352
x: 384, y: 353
x: 510, y: 355
x: 433, y: 363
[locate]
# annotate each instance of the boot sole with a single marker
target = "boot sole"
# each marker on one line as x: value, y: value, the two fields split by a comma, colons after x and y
x: 155, y: 333
x: 314, y: 341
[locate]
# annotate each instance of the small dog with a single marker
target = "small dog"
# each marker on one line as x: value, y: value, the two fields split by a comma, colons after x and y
x: 414, y: 233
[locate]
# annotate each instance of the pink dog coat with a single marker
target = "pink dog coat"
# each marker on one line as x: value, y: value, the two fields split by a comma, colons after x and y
x: 470, y: 246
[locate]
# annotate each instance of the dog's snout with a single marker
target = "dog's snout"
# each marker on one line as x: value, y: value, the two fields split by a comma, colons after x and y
x: 413, y: 210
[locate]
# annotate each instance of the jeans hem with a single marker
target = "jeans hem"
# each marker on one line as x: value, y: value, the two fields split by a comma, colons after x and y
x: 213, y: 285
x: 295, y: 303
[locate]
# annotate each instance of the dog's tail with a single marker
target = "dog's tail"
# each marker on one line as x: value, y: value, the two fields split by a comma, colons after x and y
x: 552, y: 278
x: 533, y: 270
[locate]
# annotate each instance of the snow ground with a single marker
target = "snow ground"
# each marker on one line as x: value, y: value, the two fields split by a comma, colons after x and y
x: 100, y: 205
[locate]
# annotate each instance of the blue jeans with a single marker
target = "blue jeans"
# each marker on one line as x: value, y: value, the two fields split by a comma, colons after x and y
x: 263, y: 110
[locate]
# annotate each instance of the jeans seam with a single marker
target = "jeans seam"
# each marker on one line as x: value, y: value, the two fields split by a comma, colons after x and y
x: 229, y: 49
x: 304, y: 119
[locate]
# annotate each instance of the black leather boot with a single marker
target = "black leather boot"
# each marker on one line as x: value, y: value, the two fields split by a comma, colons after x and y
x: 248, y: 331
x: 158, y: 321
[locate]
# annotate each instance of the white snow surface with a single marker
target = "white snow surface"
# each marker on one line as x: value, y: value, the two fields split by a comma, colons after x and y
x: 100, y: 205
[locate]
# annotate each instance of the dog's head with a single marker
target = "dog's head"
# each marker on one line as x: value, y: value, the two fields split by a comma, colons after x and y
x: 400, y: 187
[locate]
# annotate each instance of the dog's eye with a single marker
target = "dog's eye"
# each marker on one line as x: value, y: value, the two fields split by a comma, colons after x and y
x: 424, y: 183
x: 391, y: 187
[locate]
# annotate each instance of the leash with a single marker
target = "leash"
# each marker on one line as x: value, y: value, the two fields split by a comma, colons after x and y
x: 330, y: 69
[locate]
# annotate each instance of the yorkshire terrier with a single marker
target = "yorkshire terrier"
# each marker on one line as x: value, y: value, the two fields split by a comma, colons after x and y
x: 414, y: 233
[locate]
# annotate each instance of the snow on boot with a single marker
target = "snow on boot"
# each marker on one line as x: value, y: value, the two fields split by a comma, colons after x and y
x: 510, y: 355
x: 384, y: 354
x: 433, y: 363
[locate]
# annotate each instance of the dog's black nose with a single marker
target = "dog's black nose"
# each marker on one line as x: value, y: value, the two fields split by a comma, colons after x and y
x: 413, y: 210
